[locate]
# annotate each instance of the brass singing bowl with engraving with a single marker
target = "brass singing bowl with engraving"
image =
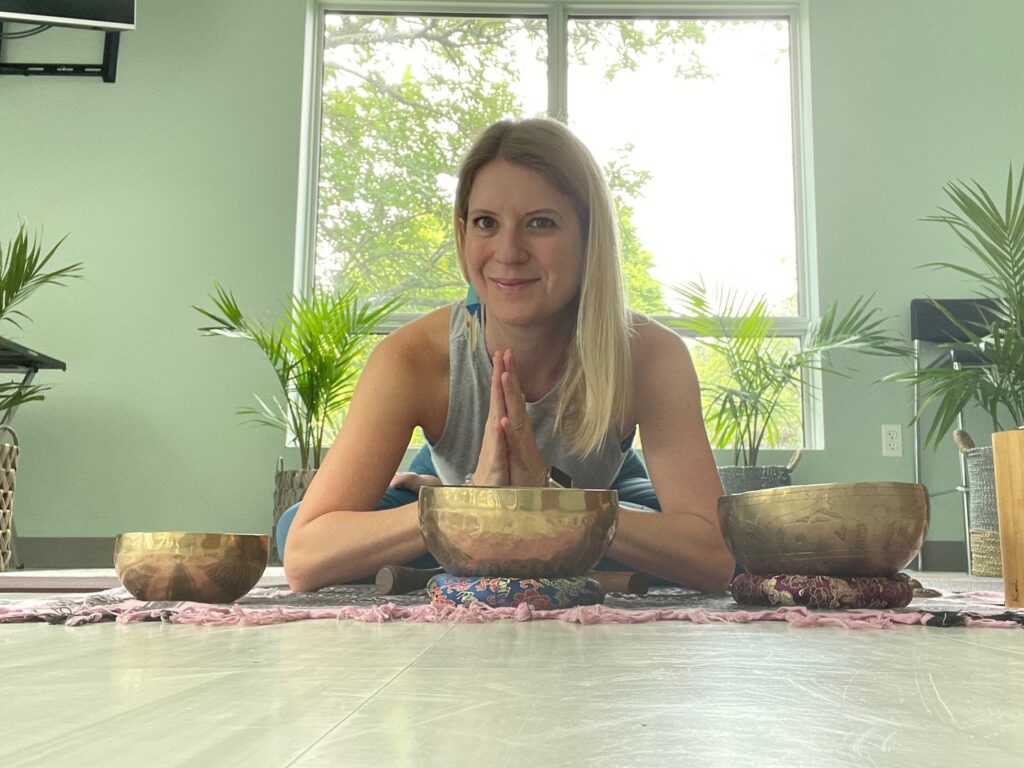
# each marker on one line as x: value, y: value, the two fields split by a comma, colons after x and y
x: 517, y: 532
x: 831, y: 529
x: 199, y: 567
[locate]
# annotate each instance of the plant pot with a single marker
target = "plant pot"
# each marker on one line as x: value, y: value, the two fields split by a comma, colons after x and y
x: 8, y: 465
x: 289, y: 487
x: 741, y: 479
x: 982, y: 516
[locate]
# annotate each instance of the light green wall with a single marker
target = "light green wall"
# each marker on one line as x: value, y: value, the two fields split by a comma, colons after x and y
x: 185, y: 171
x: 181, y: 172
x: 907, y: 95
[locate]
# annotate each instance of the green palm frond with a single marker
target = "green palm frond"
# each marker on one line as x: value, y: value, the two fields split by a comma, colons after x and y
x: 995, y: 238
x: 314, y: 346
x: 762, y: 377
x: 14, y: 394
x: 23, y: 271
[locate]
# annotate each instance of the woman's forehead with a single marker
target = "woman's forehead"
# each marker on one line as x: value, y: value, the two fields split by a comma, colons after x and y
x: 501, y: 183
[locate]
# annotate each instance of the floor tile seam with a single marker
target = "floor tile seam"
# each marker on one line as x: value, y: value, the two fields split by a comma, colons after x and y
x: 369, y: 698
x: 115, y: 717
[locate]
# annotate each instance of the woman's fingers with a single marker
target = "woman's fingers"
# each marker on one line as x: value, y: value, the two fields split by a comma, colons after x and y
x: 525, y: 464
x: 407, y: 480
x: 514, y: 400
x: 497, y: 407
x: 492, y: 466
x: 412, y: 481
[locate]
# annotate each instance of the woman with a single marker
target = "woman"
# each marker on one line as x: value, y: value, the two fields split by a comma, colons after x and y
x: 542, y: 366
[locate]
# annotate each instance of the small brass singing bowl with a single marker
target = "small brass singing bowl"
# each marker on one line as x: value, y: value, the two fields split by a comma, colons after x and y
x: 197, y: 567
x: 832, y: 529
x: 517, y: 532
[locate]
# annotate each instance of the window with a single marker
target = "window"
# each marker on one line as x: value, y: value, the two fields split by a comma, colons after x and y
x: 691, y: 117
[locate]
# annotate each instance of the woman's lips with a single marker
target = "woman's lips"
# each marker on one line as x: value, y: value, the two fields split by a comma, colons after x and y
x: 512, y: 282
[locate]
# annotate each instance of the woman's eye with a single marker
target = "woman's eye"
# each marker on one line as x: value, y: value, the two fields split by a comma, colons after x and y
x: 542, y: 222
x: 484, y: 222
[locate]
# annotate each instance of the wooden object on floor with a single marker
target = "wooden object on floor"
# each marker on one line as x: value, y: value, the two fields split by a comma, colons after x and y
x: 1008, y: 459
x: 29, y: 583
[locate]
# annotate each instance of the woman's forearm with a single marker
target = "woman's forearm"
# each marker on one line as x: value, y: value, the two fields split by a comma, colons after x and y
x: 682, y: 548
x: 339, y: 547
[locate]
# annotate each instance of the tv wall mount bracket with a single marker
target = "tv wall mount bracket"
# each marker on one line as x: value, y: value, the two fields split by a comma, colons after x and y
x: 107, y: 69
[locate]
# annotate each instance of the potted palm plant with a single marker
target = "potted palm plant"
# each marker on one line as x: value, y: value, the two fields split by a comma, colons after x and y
x: 994, y: 236
x: 315, y: 347
x: 757, y: 385
x: 23, y: 270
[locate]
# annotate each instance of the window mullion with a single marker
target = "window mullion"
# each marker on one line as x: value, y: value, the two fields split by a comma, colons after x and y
x: 558, y: 63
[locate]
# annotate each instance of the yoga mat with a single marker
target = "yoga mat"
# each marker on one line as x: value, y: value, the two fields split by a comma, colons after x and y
x: 264, y: 606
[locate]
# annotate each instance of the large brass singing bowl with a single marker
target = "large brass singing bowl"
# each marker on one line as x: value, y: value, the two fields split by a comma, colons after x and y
x: 833, y: 529
x: 200, y: 567
x: 517, y: 532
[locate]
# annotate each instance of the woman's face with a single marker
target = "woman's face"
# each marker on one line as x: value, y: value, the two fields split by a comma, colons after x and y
x: 522, y: 245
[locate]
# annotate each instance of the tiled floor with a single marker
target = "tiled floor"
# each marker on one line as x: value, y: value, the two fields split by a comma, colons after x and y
x: 539, y: 695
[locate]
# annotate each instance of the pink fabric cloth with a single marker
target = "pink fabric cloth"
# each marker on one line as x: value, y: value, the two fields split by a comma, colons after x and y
x: 116, y: 605
x: 236, y: 615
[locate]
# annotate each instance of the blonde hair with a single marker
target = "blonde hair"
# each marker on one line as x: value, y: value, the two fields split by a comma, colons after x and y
x: 596, y: 386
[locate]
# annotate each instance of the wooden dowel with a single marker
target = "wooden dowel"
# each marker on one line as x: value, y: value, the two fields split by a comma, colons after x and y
x: 628, y: 582
x: 1008, y: 459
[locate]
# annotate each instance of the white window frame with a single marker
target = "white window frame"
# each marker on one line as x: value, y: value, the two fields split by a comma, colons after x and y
x: 558, y: 13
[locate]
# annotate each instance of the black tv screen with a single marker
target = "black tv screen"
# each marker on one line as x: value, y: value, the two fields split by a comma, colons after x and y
x: 95, y: 14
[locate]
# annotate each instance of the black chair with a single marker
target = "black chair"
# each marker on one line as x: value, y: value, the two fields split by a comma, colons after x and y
x: 930, y: 329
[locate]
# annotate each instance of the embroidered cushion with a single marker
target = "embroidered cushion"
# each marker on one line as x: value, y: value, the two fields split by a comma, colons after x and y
x: 500, y: 592
x: 823, y: 591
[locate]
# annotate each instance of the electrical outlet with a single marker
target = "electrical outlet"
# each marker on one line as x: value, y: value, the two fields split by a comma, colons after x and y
x: 892, y: 440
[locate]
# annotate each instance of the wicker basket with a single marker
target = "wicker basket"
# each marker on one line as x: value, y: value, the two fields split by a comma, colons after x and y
x: 982, y: 515
x: 8, y: 465
x: 986, y: 559
x: 289, y: 487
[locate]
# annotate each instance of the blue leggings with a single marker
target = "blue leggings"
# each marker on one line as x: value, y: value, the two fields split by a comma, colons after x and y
x: 633, y: 484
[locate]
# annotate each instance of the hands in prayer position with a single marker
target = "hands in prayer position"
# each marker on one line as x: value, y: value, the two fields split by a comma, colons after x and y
x: 508, y: 455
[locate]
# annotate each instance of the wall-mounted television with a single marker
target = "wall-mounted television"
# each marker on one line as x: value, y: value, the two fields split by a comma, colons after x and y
x: 91, y: 14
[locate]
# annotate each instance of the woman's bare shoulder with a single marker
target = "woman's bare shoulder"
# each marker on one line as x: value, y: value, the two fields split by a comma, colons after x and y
x: 422, y: 342
x: 651, y: 339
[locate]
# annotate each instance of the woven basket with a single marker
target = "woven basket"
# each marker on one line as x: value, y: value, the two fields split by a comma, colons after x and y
x: 8, y: 465
x: 289, y: 487
x: 986, y: 559
x: 982, y: 515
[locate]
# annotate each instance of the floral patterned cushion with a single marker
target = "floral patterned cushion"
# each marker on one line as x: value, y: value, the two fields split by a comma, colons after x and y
x: 500, y: 592
x: 823, y: 591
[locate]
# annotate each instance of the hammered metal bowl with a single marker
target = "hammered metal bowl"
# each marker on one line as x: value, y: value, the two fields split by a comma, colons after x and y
x: 199, y: 567
x: 832, y: 529
x: 517, y: 532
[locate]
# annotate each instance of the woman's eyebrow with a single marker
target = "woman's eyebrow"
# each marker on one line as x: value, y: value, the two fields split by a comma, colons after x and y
x: 546, y: 212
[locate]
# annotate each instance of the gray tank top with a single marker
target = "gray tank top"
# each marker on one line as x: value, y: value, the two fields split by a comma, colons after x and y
x: 456, y: 452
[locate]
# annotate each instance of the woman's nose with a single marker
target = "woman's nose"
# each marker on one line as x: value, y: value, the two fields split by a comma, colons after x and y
x: 510, y: 248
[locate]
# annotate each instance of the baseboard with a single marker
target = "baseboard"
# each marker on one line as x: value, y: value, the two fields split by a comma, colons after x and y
x: 944, y: 556
x: 98, y: 552
x: 65, y: 552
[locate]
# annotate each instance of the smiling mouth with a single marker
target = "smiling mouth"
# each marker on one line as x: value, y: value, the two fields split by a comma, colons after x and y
x: 511, y: 282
